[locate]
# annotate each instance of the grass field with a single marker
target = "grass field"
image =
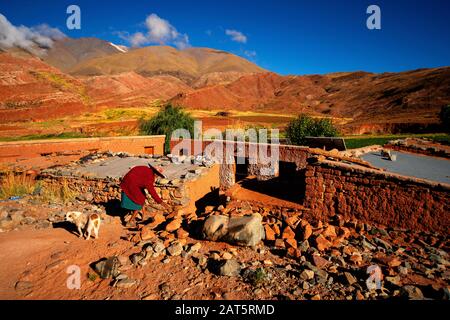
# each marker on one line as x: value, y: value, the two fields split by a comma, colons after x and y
x: 354, y: 142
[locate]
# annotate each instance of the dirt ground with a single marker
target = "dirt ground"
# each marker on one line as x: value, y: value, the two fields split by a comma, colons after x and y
x: 34, y: 265
x: 36, y: 253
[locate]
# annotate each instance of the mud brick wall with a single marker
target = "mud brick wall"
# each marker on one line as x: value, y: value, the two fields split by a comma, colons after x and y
x: 133, y: 145
x: 376, y: 197
x: 287, y: 153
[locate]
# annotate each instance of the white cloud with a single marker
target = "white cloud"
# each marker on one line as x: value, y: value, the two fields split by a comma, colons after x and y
x: 236, y: 36
x: 26, y: 38
x: 159, y: 31
x: 250, y: 53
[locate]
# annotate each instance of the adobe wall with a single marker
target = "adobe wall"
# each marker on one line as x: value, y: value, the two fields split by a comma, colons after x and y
x: 36, y: 148
x: 287, y: 153
x: 375, y: 196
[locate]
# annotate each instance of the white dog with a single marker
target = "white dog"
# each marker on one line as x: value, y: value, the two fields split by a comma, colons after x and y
x: 90, y: 223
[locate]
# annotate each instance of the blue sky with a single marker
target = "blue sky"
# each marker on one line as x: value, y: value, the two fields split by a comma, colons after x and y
x: 284, y: 36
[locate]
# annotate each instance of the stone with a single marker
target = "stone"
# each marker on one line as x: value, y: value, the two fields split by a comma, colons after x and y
x: 359, y: 296
x: 383, y: 243
x: 195, y: 248
x: 329, y: 232
x: 356, y: 258
x: 158, y: 246
x: 270, y: 233
x: 87, y: 197
x: 230, y: 268
x: 147, y: 233
x: 394, y: 262
x: 17, y: 217
x: 304, y: 246
x: 227, y: 256
x: 126, y: 283
x: 307, y: 275
x: 293, y: 252
x: 174, y: 225
x: 182, y: 234
x: 157, y: 220
x: 307, y: 230
x: 215, y: 227
x: 319, y: 262
x: 411, y: 292
x: 268, y: 262
x: 396, y: 281
x: 351, y: 280
x: 322, y: 244
x: 279, y: 243
x: 137, y: 258
x: 175, y: 249
x: 290, y: 243
x: 108, y: 267
x: 288, y: 233
x: 215, y: 256
x: 246, y: 231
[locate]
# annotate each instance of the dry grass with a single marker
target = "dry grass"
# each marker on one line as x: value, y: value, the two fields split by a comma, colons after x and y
x: 57, y: 193
x: 16, y: 185
x: 12, y: 185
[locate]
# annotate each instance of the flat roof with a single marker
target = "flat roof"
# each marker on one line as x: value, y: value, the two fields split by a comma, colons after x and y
x: 413, y: 165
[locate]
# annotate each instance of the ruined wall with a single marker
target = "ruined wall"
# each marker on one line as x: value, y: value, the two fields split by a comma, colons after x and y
x: 287, y: 153
x: 133, y: 145
x: 377, y: 197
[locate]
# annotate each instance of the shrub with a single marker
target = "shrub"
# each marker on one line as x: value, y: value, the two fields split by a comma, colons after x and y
x: 167, y: 121
x: 306, y: 126
x: 444, y: 115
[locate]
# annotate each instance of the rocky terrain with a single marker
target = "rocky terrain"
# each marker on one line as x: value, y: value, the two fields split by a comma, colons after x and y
x: 185, y: 256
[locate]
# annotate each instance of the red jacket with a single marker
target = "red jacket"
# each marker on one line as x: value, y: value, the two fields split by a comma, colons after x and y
x: 134, y: 183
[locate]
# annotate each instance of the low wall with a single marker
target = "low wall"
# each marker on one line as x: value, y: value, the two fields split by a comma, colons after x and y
x: 184, y: 194
x: 377, y: 197
x: 36, y: 148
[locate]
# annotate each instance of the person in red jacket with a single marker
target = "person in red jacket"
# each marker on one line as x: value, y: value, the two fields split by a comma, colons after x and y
x: 133, y: 186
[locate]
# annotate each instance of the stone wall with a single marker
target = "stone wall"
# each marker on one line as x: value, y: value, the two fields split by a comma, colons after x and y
x: 178, y: 194
x: 376, y: 196
x: 133, y: 145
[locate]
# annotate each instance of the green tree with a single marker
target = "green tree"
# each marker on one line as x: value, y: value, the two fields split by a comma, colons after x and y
x: 306, y: 126
x: 167, y: 121
x: 444, y: 115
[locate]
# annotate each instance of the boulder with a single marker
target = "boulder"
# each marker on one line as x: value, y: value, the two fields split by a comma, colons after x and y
x: 215, y: 227
x: 246, y: 231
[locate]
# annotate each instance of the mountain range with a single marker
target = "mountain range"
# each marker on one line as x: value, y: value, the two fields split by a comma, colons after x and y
x: 80, y: 75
